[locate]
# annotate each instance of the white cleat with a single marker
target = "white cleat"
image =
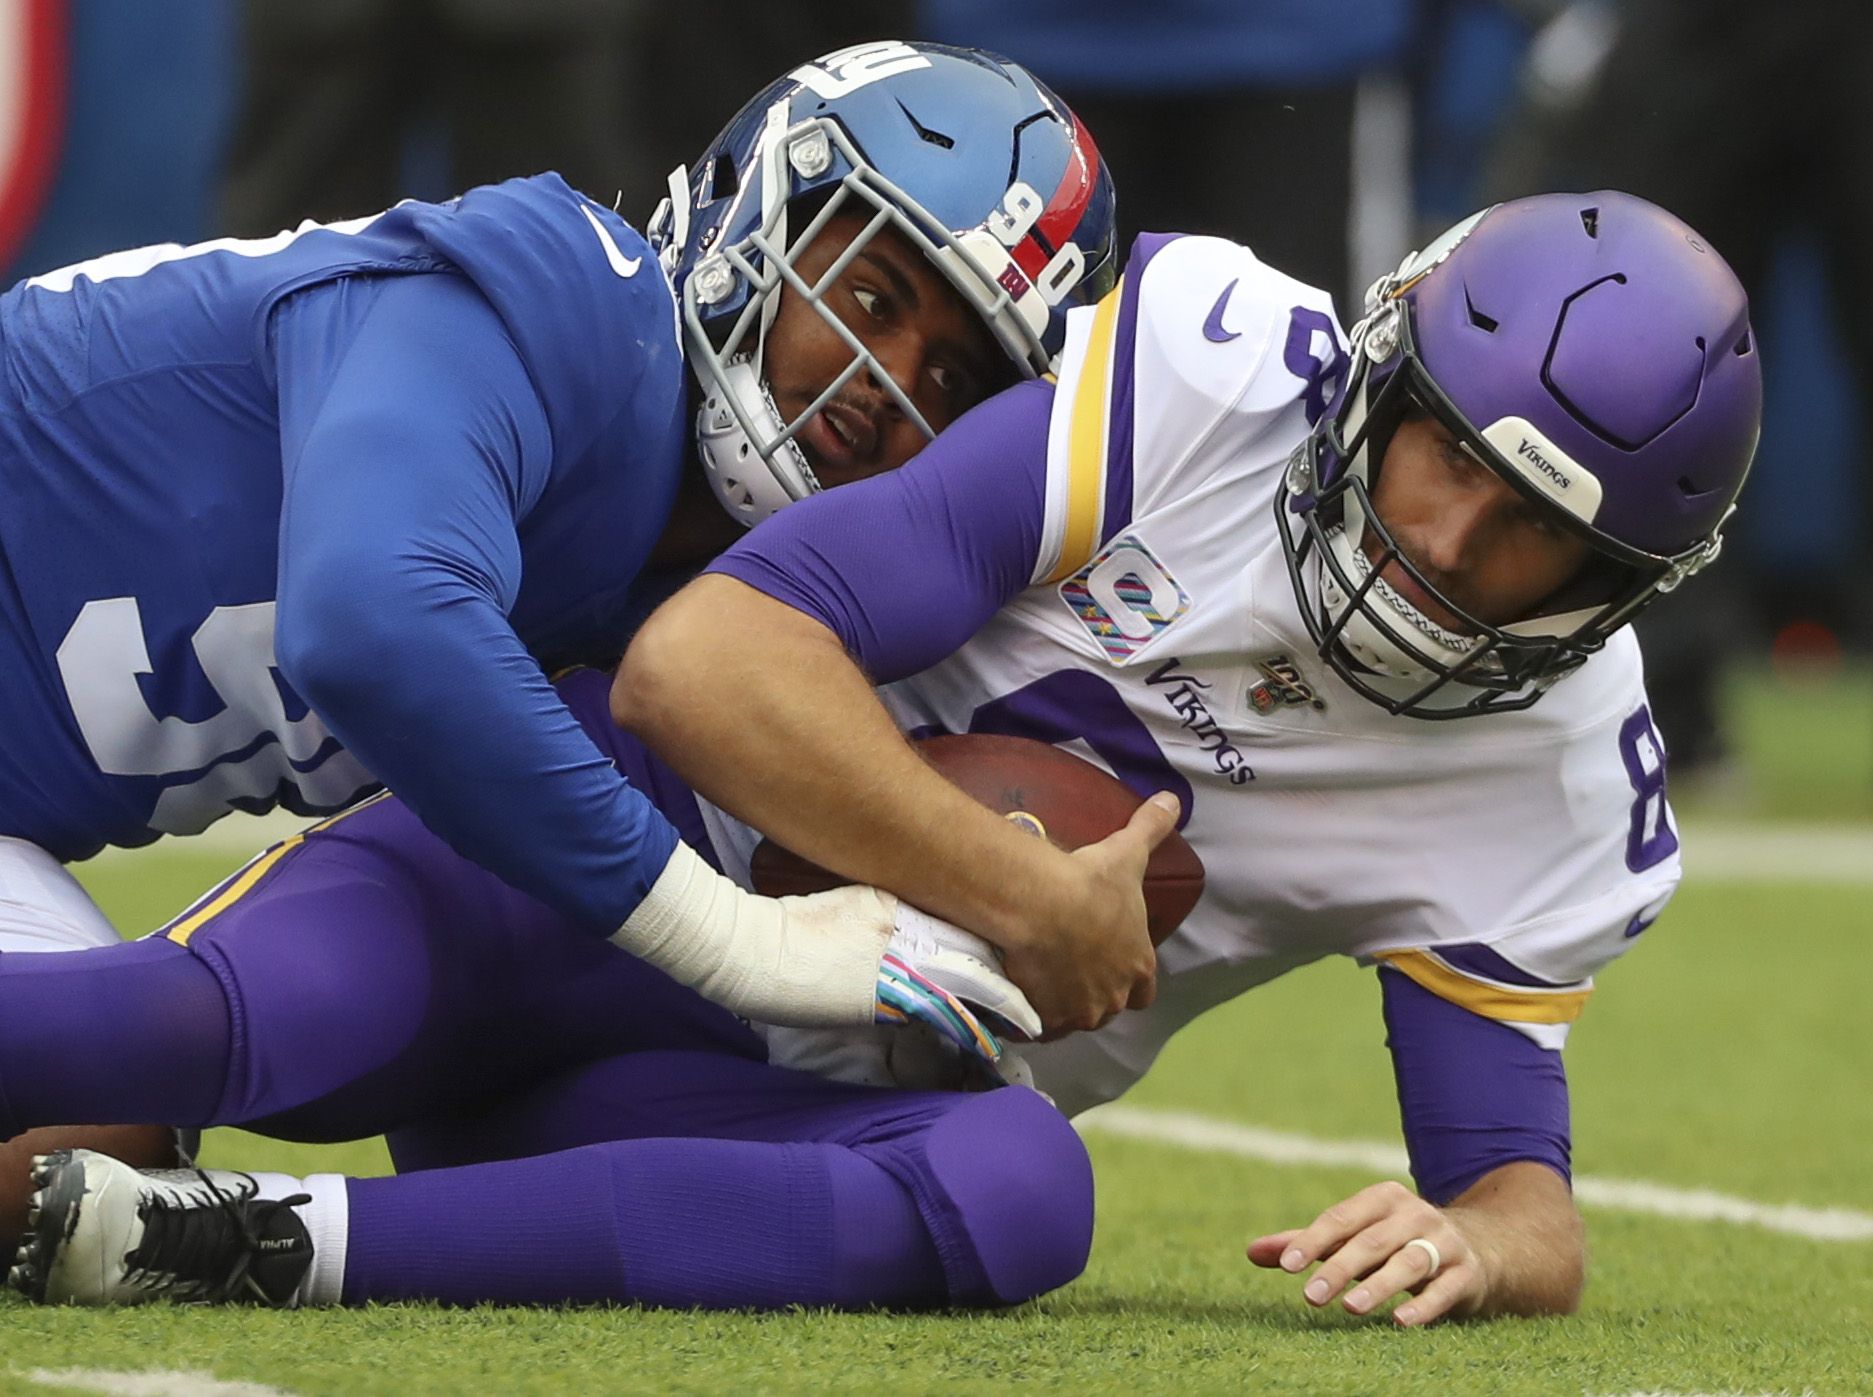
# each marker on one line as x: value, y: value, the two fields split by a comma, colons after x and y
x: 102, y: 1233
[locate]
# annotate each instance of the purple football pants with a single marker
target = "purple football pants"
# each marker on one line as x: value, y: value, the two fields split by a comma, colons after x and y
x: 367, y: 978
x: 702, y: 1179
x: 578, y: 1127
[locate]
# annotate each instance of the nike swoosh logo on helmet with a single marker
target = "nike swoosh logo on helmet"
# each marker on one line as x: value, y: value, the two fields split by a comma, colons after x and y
x: 1213, y: 327
x: 622, y: 265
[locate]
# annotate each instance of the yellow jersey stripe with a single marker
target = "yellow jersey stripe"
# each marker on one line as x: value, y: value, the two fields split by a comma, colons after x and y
x: 1086, y: 440
x: 243, y: 882
x: 1508, y: 1003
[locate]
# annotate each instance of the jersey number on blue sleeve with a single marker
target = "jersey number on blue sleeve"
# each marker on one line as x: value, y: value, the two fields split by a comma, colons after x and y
x: 100, y: 659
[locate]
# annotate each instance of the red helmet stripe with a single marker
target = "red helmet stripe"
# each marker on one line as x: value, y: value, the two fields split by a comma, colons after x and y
x: 33, y: 45
x: 1067, y: 206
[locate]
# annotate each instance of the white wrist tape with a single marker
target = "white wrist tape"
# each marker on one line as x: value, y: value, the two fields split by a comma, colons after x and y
x: 810, y: 962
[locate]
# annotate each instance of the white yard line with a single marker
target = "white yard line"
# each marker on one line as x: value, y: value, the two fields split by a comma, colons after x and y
x: 1185, y: 1130
x: 1717, y: 853
x: 1730, y: 853
x: 156, y: 1383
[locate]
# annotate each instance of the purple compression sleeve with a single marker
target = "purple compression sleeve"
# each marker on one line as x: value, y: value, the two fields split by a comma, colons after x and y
x: 905, y: 567
x: 1473, y: 1094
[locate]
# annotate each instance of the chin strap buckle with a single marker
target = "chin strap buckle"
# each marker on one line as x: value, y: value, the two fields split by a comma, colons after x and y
x: 1695, y: 560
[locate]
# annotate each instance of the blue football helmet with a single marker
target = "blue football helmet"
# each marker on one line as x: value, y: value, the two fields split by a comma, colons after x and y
x: 965, y: 155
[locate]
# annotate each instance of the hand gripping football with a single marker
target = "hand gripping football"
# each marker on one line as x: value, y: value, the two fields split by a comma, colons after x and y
x: 1043, y: 790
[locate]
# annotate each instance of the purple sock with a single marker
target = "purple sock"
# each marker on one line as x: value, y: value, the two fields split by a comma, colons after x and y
x: 131, y: 1034
x: 707, y: 1223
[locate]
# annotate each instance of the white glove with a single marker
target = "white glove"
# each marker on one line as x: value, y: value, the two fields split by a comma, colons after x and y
x: 843, y: 958
x: 936, y: 974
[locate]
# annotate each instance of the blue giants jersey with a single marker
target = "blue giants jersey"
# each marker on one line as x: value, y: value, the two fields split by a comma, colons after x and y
x: 282, y: 516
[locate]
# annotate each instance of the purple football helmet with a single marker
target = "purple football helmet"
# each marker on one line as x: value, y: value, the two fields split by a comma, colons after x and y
x: 967, y: 156
x: 1594, y: 353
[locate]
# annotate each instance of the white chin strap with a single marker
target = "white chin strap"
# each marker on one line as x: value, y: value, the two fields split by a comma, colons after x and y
x: 1365, y: 640
x: 750, y: 477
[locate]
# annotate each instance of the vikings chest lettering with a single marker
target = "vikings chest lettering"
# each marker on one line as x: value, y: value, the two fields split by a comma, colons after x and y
x: 1184, y: 692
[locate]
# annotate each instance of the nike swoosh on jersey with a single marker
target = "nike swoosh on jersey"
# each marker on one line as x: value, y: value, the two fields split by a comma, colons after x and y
x: 1213, y: 327
x: 622, y: 265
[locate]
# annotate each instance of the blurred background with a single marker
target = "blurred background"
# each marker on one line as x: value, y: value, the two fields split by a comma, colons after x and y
x: 1330, y: 135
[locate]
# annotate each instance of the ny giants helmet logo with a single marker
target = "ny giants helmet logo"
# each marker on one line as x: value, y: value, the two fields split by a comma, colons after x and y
x: 1022, y: 209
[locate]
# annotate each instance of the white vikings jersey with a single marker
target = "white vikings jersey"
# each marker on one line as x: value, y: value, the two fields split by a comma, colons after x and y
x: 1498, y: 861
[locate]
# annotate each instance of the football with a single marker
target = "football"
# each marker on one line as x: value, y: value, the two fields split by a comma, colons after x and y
x: 1045, y: 791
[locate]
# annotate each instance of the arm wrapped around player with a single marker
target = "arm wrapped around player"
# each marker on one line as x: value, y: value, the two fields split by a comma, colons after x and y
x: 843, y: 958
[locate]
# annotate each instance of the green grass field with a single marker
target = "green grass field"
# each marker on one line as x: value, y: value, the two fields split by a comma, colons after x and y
x: 1727, y: 1052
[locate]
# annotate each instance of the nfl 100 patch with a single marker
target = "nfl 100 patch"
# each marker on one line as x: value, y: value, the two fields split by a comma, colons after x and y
x: 1281, y: 685
x: 1125, y: 597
